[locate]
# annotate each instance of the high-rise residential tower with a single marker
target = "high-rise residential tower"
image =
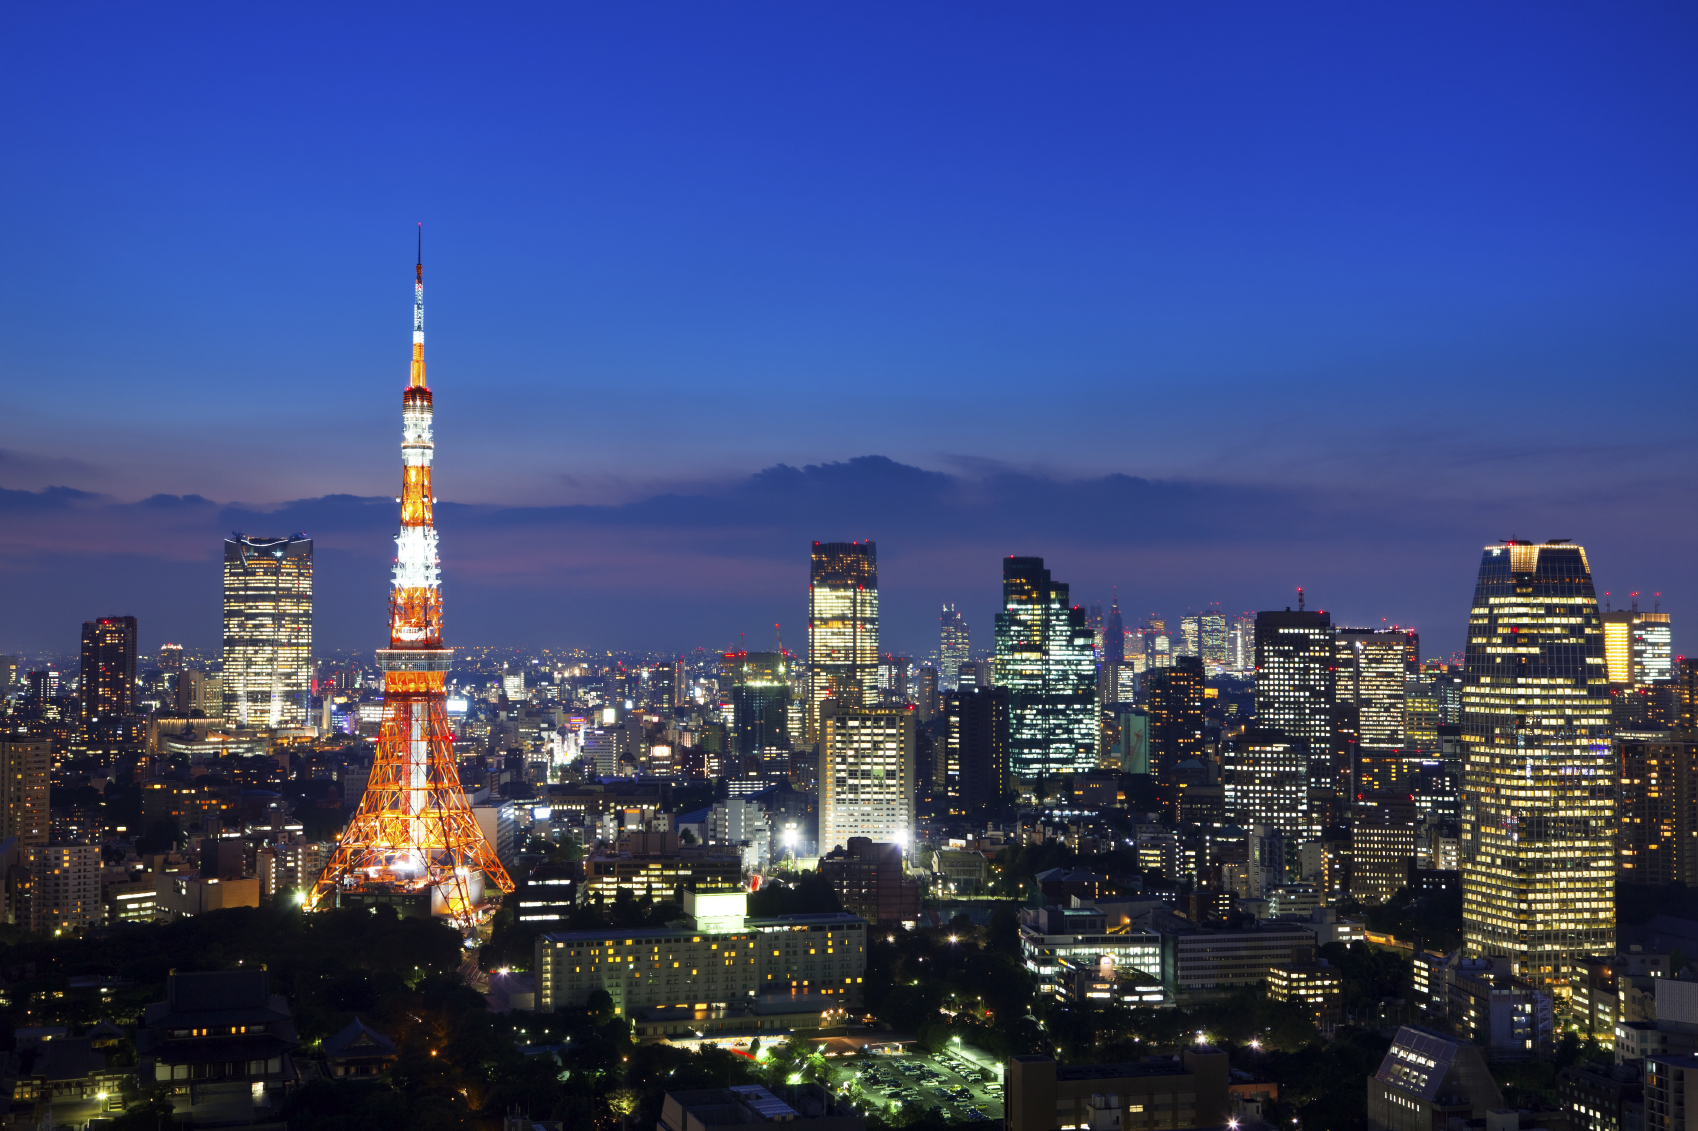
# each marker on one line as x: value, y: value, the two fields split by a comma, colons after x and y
x: 972, y: 766
x: 955, y: 647
x: 267, y: 630
x: 1539, y: 782
x: 842, y: 626
x: 1044, y: 656
x: 25, y: 765
x: 866, y: 774
x: 108, y: 685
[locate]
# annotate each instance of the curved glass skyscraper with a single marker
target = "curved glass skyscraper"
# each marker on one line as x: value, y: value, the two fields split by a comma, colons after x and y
x: 1538, y: 808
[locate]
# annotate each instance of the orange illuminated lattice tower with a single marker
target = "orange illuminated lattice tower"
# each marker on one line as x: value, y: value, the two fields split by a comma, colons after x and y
x: 414, y: 834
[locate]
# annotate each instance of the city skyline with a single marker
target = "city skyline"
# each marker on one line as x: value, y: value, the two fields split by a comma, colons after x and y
x: 1032, y: 568
x: 176, y: 598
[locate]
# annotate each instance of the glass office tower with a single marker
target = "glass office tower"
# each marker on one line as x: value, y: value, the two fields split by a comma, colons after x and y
x: 1538, y: 804
x: 955, y: 647
x: 1046, y: 658
x: 842, y: 627
x: 267, y: 631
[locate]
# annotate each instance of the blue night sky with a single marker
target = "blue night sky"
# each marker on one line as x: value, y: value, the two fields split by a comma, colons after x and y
x: 1202, y: 302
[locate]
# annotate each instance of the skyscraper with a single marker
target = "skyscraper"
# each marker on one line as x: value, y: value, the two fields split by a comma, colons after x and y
x: 1241, y: 644
x: 1190, y: 636
x: 1370, y: 681
x: 1175, y: 704
x: 1637, y: 647
x: 955, y: 647
x: 267, y: 630
x: 1657, y: 824
x: 842, y: 626
x: 1538, y: 804
x: 866, y: 774
x: 972, y: 767
x: 1267, y: 782
x: 25, y: 764
x: 760, y: 703
x: 1044, y: 657
x: 108, y: 685
x: 1382, y: 842
x: 1213, y: 645
x: 1114, y: 635
x: 1295, y: 677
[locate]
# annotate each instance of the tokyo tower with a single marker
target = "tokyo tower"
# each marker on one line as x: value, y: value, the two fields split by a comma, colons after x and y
x: 414, y: 837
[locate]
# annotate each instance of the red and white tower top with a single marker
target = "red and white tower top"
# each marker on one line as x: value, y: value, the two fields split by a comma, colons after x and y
x: 416, y: 605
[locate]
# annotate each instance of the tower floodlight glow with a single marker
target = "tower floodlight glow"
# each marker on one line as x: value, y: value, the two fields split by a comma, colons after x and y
x: 414, y: 833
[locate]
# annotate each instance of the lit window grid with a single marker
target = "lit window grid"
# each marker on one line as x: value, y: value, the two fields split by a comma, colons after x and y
x: 684, y: 967
x: 843, y: 650
x: 267, y: 669
x: 1048, y: 663
x: 1538, y: 808
x: 866, y: 777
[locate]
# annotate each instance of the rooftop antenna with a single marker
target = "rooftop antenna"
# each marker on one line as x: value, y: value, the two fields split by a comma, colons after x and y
x: 1299, y: 598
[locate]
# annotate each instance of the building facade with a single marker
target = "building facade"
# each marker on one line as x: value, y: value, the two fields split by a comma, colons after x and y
x: 64, y: 890
x: 723, y: 957
x: 971, y: 770
x: 1174, y: 702
x: 1267, y: 783
x: 1657, y: 817
x: 1428, y: 1079
x: 1052, y: 935
x: 268, y: 666
x: 1638, y: 647
x: 955, y: 647
x: 842, y: 627
x: 1538, y: 806
x: 1370, y: 685
x: 866, y: 774
x: 1191, y: 1090
x: 1045, y: 656
x: 1296, y: 664
x: 1382, y: 846
x: 871, y: 882
x: 25, y: 766
x: 108, y: 685
x: 760, y: 702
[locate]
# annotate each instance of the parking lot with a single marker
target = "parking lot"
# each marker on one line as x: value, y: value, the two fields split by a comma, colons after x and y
x: 963, y: 1086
